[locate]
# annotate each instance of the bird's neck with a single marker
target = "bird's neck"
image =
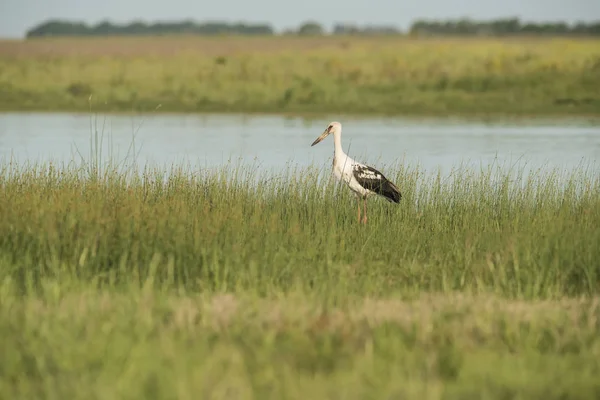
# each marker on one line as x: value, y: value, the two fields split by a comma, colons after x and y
x: 337, y: 145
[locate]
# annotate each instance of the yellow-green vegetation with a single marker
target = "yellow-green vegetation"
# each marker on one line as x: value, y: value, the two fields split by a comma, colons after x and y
x: 231, y: 284
x: 386, y: 75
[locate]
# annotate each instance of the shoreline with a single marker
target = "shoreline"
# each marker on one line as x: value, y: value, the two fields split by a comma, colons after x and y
x: 465, y: 118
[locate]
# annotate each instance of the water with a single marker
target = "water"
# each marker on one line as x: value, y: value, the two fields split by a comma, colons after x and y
x: 274, y: 142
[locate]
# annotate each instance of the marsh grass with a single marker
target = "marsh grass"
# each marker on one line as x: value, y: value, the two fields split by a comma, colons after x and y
x: 117, y: 282
x: 237, y: 229
x: 398, y: 76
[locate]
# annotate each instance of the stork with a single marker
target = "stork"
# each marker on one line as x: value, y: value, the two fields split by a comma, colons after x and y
x: 362, y: 179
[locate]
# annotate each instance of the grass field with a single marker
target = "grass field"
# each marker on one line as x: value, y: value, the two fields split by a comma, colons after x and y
x: 199, y: 284
x: 394, y: 76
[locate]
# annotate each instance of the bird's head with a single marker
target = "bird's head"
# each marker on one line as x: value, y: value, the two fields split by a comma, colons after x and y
x: 333, y: 127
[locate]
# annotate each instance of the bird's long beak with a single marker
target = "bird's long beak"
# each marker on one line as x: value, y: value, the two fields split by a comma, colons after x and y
x: 323, y: 136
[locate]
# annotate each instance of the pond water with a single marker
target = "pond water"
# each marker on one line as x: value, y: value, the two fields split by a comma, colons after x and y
x: 275, y: 142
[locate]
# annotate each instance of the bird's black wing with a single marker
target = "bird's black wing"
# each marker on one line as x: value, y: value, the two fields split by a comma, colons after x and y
x: 375, y: 181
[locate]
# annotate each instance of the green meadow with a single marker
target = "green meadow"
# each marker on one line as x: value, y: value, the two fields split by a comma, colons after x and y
x: 349, y: 75
x: 236, y: 284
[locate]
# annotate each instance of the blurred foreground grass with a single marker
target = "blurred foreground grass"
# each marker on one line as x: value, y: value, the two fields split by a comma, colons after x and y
x: 518, y: 76
x: 231, y: 284
x: 90, y: 344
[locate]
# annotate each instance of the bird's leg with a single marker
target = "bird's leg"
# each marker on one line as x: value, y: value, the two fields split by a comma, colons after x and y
x: 358, y: 203
x: 365, y: 212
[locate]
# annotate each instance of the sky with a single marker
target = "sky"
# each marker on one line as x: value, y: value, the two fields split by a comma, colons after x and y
x: 17, y: 16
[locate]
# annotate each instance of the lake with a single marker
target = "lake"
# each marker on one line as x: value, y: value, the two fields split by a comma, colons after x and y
x: 274, y: 142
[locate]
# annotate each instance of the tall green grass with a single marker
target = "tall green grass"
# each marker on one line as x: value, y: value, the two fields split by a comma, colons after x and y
x: 236, y: 229
x: 232, y: 283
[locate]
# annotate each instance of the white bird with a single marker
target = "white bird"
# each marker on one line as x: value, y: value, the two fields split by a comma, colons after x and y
x: 362, y: 179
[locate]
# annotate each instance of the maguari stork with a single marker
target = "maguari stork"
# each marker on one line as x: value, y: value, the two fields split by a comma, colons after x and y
x: 362, y: 179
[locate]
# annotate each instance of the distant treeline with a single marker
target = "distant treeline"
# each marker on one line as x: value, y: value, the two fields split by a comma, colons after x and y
x: 466, y: 27
x: 502, y: 27
x: 66, y: 28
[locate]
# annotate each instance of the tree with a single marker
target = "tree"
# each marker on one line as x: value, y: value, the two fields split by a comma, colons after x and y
x: 311, y: 28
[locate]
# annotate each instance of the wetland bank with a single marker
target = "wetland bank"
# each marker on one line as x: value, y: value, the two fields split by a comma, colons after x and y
x: 144, y: 286
x: 348, y: 75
